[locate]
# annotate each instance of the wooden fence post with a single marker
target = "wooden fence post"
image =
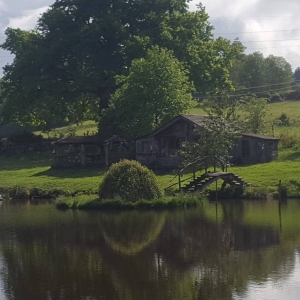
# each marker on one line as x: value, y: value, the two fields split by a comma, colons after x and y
x: 179, y: 182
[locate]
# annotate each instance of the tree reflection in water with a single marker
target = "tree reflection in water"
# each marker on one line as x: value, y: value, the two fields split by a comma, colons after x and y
x: 138, y: 255
x: 129, y: 233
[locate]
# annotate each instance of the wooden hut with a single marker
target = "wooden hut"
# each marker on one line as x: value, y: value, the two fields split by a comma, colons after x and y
x: 254, y: 148
x: 90, y: 151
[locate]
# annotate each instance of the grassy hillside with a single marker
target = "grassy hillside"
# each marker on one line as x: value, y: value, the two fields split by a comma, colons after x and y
x: 87, y: 127
x: 274, y: 111
x: 27, y: 173
x: 290, y: 108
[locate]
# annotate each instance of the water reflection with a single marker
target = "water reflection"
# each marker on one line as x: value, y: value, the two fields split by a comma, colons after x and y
x: 131, y: 232
x: 218, y: 252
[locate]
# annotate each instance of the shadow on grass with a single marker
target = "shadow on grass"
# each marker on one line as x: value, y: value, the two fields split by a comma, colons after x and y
x: 29, y: 161
x: 71, y: 173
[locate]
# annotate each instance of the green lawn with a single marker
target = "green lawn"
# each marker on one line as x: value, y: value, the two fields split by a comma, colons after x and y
x: 27, y: 172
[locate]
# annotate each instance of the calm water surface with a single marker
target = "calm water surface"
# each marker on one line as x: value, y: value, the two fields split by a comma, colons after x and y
x: 232, y: 250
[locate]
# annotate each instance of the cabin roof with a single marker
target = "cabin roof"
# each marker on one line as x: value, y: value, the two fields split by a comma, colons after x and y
x: 89, y: 139
x: 194, y: 119
x: 199, y: 121
x: 259, y: 136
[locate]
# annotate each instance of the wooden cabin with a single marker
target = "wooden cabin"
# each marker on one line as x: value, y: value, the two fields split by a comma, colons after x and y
x: 90, y: 151
x: 160, y: 148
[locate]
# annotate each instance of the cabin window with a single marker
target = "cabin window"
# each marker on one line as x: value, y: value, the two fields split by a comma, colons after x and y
x: 245, y: 148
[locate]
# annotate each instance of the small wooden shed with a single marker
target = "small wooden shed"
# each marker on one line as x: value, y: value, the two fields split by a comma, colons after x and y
x: 254, y: 149
x: 90, y: 151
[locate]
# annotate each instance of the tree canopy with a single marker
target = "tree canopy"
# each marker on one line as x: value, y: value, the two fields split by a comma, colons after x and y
x: 156, y: 90
x: 259, y: 75
x: 67, y: 66
x: 296, y: 74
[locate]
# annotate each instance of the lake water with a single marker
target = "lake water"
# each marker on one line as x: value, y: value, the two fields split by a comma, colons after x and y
x: 229, y: 250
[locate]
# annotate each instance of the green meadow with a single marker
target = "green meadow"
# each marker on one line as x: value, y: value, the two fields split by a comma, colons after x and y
x: 274, y: 110
x: 32, y: 174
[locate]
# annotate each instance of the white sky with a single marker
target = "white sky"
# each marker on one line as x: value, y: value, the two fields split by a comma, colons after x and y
x: 268, y: 26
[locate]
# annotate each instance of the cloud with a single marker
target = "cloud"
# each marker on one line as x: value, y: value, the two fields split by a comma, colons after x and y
x: 28, y: 18
x: 2, y: 5
x: 261, y: 25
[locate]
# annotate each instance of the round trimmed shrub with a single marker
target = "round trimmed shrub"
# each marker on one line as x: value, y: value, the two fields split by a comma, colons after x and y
x: 130, y: 181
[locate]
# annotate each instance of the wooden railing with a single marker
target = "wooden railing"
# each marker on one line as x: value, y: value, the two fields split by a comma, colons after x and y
x: 223, y: 162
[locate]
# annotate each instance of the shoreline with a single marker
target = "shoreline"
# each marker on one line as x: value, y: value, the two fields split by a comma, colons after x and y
x: 85, y: 202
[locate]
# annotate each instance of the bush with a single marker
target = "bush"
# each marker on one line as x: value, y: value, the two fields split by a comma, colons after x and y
x: 284, y: 120
x: 288, y: 141
x: 276, y: 98
x: 130, y: 181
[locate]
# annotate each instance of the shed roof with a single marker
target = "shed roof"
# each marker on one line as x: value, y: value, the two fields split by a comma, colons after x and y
x: 89, y: 139
x: 259, y: 136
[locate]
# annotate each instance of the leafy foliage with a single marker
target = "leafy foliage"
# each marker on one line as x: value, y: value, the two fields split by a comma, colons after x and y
x: 156, y: 90
x: 296, y: 74
x: 130, y: 181
x: 66, y: 68
x: 216, y: 136
x: 255, y: 110
x: 283, y: 120
x: 260, y: 75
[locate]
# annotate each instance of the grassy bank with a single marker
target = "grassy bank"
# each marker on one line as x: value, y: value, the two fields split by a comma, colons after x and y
x: 31, y: 175
x: 93, y: 202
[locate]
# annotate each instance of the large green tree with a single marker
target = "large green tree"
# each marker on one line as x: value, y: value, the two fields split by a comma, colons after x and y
x: 156, y: 90
x: 78, y: 47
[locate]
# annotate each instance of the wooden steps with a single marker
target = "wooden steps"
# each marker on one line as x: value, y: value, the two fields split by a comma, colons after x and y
x: 203, y: 181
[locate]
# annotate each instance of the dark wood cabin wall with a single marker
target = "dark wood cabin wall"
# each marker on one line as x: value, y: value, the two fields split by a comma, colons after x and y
x: 260, y: 151
x: 162, y: 148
